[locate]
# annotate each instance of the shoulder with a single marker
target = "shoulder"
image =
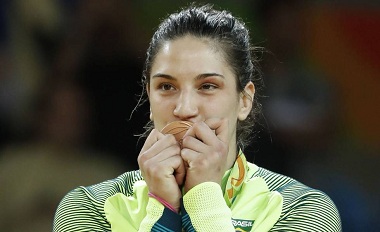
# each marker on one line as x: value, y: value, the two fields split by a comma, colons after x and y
x: 303, y: 207
x: 288, y: 187
x: 84, y: 206
x: 101, y: 191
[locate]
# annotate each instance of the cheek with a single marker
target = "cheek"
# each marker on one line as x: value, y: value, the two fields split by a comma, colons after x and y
x: 160, y: 108
x: 221, y: 107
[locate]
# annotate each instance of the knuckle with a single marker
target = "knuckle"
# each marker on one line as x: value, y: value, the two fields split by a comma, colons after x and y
x: 221, y: 148
x: 176, y: 149
x: 170, y: 139
x: 141, y: 159
x: 203, y: 163
x: 154, y: 168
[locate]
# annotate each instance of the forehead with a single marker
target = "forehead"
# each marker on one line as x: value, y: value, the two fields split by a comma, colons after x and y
x: 193, y: 41
x: 189, y: 53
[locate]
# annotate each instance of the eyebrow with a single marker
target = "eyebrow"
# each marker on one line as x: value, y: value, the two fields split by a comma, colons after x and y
x: 200, y: 76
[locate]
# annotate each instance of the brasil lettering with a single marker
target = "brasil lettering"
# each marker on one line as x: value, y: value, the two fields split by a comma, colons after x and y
x: 242, y: 225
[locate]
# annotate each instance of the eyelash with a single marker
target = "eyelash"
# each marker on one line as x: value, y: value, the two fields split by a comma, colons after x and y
x: 163, y: 85
x: 209, y: 86
x: 205, y: 86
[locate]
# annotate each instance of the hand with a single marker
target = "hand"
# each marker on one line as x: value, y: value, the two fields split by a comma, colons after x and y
x: 204, y: 151
x: 162, y: 167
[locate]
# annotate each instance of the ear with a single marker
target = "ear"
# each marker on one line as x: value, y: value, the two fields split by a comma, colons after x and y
x: 246, y: 101
x: 151, y: 115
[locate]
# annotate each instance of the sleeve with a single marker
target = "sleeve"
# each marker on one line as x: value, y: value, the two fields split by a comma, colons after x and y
x: 159, y: 218
x: 311, y: 212
x: 77, y: 212
x: 204, y: 209
x: 138, y: 212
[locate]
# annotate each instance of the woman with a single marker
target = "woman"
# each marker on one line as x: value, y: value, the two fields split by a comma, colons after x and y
x: 199, y: 69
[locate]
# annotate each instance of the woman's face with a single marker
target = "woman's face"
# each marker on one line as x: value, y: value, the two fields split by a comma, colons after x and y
x: 190, y: 81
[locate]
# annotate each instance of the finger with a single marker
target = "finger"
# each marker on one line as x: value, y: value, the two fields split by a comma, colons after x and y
x: 189, y: 155
x: 164, y: 163
x: 152, y: 138
x: 161, y: 176
x: 200, y: 131
x: 166, y: 153
x: 180, y: 172
x: 220, y: 126
x: 155, y: 145
x: 190, y: 142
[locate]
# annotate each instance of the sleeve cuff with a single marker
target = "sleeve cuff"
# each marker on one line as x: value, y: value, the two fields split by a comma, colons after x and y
x: 160, y: 218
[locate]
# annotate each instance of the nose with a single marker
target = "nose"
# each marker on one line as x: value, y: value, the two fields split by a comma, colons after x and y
x: 186, y: 106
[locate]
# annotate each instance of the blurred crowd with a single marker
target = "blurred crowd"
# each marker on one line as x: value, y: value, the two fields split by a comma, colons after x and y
x: 70, y: 76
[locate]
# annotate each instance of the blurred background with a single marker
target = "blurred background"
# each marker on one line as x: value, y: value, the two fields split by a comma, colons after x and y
x: 70, y: 78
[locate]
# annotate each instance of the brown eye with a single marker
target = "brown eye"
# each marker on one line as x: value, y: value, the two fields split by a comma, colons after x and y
x: 208, y: 86
x: 166, y: 87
